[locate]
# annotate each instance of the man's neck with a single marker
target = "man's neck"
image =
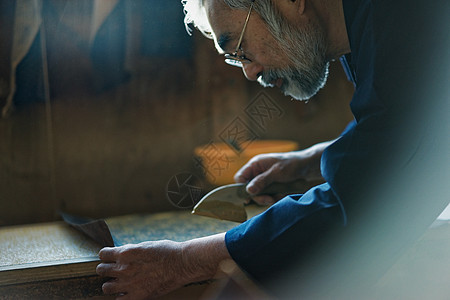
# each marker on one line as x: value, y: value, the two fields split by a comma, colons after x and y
x: 331, y: 13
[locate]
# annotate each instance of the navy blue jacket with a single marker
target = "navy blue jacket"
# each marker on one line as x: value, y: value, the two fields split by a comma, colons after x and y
x: 386, y: 176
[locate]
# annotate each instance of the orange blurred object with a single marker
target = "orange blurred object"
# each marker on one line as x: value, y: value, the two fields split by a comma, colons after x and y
x: 221, y: 161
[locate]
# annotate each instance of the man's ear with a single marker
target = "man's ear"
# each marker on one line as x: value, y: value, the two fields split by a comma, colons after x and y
x: 300, y: 5
x: 292, y: 9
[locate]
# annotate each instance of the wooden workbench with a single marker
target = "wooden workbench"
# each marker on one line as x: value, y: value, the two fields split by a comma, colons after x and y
x: 53, y: 260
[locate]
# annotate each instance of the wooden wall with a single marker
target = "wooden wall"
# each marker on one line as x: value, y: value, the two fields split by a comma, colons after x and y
x: 113, y: 152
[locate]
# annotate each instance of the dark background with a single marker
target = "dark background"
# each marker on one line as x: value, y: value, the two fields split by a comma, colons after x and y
x: 126, y: 110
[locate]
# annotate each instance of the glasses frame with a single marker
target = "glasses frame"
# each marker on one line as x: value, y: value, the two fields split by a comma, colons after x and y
x: 234, y: 59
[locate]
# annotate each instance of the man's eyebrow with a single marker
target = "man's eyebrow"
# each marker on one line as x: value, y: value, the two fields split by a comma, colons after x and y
x: 224, y: 40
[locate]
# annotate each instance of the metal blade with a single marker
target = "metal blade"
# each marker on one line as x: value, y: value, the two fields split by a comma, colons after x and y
x: 225, y: 203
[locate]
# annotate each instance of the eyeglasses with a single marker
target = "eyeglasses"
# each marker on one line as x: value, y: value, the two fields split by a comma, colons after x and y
x: 235, y: 59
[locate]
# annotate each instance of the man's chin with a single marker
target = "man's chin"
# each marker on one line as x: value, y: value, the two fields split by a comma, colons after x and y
x: 298, y: 93
x: 303, y: 93
x: 292, y: 87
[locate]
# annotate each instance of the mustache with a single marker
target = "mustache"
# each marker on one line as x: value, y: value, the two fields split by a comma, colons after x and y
x: 268, y: 77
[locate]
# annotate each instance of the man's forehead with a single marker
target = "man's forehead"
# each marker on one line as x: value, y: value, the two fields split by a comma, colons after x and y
x: 216, y: 10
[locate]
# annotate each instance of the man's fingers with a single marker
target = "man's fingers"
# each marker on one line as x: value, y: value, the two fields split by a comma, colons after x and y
x: 112, y: 287
x: 264, y: 200
x: 107, y: 254
x: 260, y: 182
x: 122, y: 289
x: 244, y: 174
x: 251, y: 169
x: 255, y: 186
x: 107, y: 270
x: 124, y: 296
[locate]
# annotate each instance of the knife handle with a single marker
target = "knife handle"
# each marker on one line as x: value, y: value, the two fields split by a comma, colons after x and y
x: 295, y: 187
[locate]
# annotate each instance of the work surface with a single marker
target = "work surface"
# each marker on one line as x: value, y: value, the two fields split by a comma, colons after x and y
x: 53, y: 258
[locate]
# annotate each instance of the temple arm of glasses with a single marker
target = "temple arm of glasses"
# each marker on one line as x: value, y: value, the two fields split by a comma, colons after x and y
x: 245, y: 26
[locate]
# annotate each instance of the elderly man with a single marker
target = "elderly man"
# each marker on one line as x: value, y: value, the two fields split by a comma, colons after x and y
x: 386, y: 168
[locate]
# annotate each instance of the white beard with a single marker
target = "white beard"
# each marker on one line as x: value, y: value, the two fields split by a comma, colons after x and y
x: 306, y: 49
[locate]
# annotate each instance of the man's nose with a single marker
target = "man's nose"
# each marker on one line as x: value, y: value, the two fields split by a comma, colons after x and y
x: 252, y: 70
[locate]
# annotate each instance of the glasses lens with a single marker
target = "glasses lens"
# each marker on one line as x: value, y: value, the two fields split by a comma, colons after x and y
x: 233, y: 62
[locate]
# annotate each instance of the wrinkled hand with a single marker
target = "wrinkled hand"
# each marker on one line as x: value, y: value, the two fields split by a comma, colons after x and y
x: 149, y: 268
x: 152, y: 269
x: 264, y: 169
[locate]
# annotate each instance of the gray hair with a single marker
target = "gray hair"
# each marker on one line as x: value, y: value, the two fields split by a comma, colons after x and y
x: 195, y: 13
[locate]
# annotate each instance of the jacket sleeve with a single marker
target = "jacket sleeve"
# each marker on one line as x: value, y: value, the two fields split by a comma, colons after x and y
x: 267, y: 244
